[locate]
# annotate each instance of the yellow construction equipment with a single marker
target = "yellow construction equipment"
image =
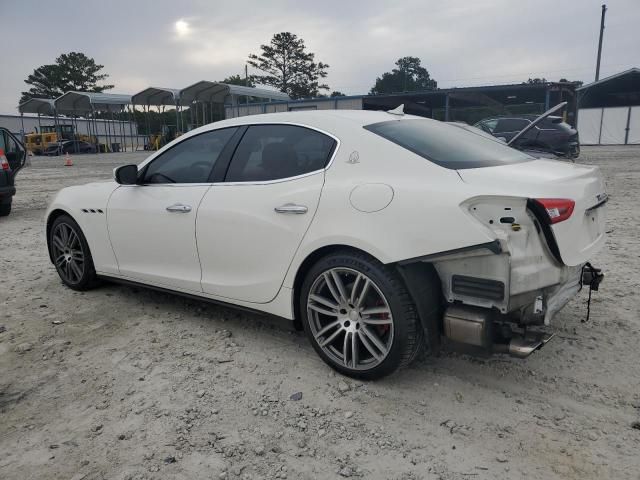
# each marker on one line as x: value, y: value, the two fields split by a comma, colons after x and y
x: 50, y: 135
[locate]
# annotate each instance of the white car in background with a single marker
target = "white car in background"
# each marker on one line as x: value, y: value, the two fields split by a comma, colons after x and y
x: 377, y: 232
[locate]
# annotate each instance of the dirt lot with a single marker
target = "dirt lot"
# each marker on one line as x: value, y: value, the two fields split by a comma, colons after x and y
x: 126, y: 383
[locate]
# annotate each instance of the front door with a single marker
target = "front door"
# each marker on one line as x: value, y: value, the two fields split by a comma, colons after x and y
x: 250, y: 226
x: 152, y: 225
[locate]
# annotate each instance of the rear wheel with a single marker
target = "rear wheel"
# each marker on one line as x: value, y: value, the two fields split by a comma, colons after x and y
x: 71, y: 255
x: 359, y: 316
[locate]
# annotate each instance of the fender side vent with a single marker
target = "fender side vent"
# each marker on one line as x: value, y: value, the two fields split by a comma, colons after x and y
x: 477, y: 287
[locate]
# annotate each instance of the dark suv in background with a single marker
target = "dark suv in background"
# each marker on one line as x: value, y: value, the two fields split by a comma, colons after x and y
x: 550, y: 135
x: 12, y: 158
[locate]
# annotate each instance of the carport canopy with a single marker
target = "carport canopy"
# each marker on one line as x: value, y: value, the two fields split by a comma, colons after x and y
x: 216, y: 92
x: 620, y: 90
x: 157, y: 96
x: 41, y: 106
x: 84, y: 102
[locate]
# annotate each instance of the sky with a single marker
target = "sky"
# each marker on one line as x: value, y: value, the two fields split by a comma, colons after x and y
x: 173, y: 44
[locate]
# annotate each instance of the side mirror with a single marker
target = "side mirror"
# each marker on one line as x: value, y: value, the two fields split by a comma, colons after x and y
x: 126, y: 175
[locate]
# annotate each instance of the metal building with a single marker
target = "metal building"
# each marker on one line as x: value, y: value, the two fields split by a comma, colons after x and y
x: 467, y: 104
x: 609, y: 110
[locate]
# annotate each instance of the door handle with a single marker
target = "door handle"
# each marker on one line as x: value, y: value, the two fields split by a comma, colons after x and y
x: 179, y: 207
x: 291, y: 208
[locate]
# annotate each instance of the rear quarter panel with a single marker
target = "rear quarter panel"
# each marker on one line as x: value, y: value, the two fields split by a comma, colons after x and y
x: 424, y: 216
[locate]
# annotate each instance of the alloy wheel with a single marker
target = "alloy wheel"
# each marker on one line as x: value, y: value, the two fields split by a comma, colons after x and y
x: 68, y: 256
x: 350, y: 318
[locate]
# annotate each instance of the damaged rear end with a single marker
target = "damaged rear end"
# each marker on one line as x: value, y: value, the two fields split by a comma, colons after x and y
x: 548, y: 221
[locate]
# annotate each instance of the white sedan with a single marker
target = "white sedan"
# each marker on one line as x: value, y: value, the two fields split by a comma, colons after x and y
x: 379, y: 233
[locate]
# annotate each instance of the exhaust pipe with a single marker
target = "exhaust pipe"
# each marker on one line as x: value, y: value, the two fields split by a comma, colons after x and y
x: 522, y: 346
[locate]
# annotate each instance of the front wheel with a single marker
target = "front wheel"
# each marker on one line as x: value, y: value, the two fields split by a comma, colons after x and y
x: 359, y: 316
x: 71, y: 255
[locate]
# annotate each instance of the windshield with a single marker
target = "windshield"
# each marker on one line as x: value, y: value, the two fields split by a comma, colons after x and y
x: 447, y: 145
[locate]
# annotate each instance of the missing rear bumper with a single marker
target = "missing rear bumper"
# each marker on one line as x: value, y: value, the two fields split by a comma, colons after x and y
x: 478, y: 327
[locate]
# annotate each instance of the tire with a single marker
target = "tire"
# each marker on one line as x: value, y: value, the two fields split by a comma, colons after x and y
x: 5, y: 206
x: 71, y: 256
x: 342, y: 333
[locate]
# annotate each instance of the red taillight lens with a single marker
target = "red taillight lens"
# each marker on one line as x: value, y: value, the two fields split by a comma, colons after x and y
x: 558, y: 209
x: 3, y: 161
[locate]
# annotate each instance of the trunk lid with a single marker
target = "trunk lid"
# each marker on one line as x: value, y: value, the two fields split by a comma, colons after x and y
x: 580, y: 236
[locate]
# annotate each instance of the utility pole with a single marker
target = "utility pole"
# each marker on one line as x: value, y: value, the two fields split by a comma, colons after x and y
x: 604, y: 11
x: 246, y: 81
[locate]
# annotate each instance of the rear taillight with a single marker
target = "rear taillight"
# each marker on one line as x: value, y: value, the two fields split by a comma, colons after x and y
x: 558, y: 209
x: 4, y: 164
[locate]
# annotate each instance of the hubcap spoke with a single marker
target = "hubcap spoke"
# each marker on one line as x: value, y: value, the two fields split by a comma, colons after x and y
x: 345, y: 348
x: 354, y: 349
x: 377, y: 321
x: 363, y: 293
x: 59, y: 260
x: 324, y: 311
x: 370, y: 348
x: 354, y: 289
x: 335, y: 293
x: 327, y: 329
x: 339, y: 286
x: 375, y: 311
x: 324, y: 301
x: 374, y: 339
x: 76, y: 269
x: 57, y: 241
x: 73, y: 239
x: 64, y: 234
x: 331, y: 337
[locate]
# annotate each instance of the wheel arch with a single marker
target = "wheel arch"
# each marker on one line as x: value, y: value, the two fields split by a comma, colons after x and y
x: 416, y: 276
x: 306, y: 265
x: 53, y: 215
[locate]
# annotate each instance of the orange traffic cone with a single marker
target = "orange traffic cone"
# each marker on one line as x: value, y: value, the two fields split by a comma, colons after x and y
x: 67, y: 160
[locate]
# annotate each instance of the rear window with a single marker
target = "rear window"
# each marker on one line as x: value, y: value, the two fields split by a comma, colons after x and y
x: 447, y: 145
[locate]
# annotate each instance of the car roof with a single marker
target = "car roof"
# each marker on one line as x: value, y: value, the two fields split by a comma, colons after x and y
x: 319, y: 117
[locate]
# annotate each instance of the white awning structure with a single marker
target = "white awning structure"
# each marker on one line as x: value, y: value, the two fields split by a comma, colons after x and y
x: 157, y: 96
x: 41, y: 106
x: 215, y: 92
x: 83, y: 102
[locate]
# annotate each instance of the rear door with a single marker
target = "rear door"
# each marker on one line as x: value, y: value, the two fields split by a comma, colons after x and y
x: 13, y: 150
x: 249, y: 227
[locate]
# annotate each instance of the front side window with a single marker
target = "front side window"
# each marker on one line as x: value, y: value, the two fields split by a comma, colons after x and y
x: 190, y: 161
x: 272, y: 152
x: 447, y: 145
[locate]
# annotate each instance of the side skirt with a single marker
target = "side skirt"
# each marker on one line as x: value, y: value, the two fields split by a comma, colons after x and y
x: 191, y: 296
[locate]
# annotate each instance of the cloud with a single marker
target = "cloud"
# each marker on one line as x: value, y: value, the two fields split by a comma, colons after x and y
x: 460, y: 42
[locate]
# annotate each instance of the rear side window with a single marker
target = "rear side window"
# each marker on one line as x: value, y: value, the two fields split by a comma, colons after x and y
x: 273, y: 152
x: 190, y: 161
x: 510, y: 125
x: 447, y: 145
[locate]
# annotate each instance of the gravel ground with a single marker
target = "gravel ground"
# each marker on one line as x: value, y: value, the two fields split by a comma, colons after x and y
x: 126, y: 383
